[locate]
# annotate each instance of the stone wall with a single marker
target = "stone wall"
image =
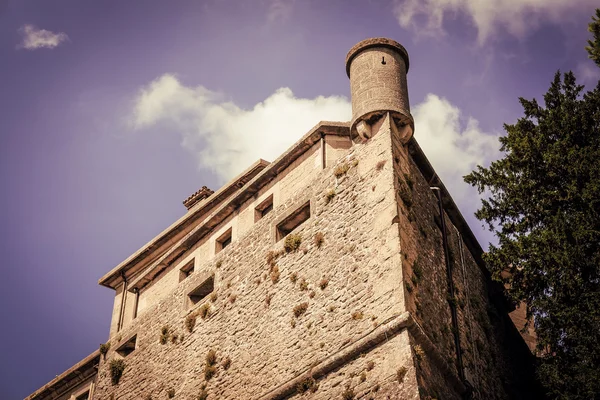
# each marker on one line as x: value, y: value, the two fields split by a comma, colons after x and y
x: 489, y: 345
x: 328, y: 319
x: 292, y: 180
x: 351, y: 282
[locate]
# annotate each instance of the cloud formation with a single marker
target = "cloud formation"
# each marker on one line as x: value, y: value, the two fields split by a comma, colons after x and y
x: 517, y: 17
x: 227, y: 139
x: 588, y: 73
x: 224, y: 137
x: 454, y: 145
x: 34, y: 38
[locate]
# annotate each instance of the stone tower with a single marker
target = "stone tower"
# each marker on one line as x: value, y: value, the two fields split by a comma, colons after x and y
x: 377, y: 70
x: 341, y: 270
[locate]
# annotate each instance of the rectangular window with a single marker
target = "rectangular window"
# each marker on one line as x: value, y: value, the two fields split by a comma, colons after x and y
x: 186, y: 270
x: 223, y: 241
x: 126, y: 348
x: 83, y: 396
x: 263, y: 208
x: 295, y: 219
x: 201, y: 291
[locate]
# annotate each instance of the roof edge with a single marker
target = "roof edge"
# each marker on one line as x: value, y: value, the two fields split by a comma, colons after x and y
x: 89, y: 362
x: 193, y: 214
x: 258, y: 168
x: 244, y: 193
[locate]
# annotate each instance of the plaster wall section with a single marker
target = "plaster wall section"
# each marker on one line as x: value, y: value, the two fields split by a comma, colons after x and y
x: 114, y: 321
x: 350, y: 282
x: 336, y: 146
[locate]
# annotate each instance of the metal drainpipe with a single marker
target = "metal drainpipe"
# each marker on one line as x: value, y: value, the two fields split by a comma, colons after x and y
x: 455, y: 331
x: 123, y: 298
x: 323, y: 159
x: 469, y: 314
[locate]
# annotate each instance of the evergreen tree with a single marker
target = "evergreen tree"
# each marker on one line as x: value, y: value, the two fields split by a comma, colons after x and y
x: 544, y: 207
x: 593, y: 47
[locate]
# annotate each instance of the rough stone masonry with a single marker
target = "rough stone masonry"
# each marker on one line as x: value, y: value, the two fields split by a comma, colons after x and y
x: 341, y: 270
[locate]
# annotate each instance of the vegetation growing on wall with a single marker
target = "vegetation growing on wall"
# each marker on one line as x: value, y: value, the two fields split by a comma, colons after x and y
x: 116, y: 366
x: 292, y: 242
x: 104, y: 347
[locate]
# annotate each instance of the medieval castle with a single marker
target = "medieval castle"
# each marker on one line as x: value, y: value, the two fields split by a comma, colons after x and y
x: 341, y: 270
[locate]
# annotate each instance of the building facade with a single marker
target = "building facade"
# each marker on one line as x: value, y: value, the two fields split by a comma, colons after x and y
x: 341, y: 270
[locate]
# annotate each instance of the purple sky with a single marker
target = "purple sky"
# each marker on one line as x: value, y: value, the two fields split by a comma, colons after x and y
x: 105, y: 129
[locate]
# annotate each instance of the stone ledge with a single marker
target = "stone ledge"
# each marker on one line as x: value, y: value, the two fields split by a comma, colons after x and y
x: 75, y: 375
x: 388, y: 329
x: 391, y: 327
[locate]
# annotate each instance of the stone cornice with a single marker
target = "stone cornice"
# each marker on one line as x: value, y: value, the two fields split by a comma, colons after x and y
x: 200, y: 209
x: 243, y: 194
x: 75, y: 375
x: 237, y: 191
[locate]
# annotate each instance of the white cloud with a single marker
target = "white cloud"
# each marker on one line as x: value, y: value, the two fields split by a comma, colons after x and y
x: 34, y: 38
x: 426, y: 17
x: 454, y: 145
x: 588, y: 73
x: 224, y: 137
x: 227, y: 138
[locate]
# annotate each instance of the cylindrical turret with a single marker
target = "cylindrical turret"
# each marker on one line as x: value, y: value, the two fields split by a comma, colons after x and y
x: 377, y: 70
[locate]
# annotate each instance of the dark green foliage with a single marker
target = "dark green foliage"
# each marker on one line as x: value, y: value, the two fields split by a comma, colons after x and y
x: 401, y: 373
x: 116, y: 370
x: 104, y: 347
x: 292, y: 242
x: 211, y: 357
x: 544, y: 207
x: 190, y: 322
x: 300, y: 309
x: 593, y: 47
x: 308, y: 384
x: 209, y: 371
x: 417, y: 270
x: 451, y: 301
x: 164, y: 334
x: 203, y: 395
x: 409, y: 181
x: 406, y: 197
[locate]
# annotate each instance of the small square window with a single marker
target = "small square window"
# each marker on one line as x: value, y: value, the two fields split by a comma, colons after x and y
x: 186, y: 270
x: 223, y: 241
x: 295, y: 219
x: 126, y: 348
x: 263, y: 208
x: 201, y: 291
